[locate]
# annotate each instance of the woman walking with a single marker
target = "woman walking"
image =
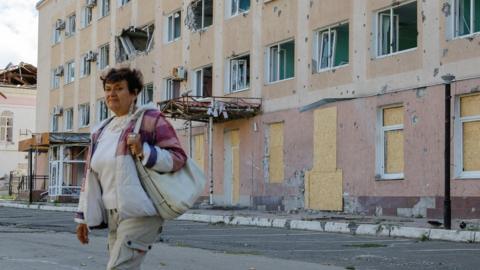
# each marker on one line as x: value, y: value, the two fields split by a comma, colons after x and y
x: 111, y: 193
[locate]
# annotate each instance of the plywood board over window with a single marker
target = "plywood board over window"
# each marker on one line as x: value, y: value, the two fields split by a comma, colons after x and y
x: 275, y: 153
x: 390, y: 143
x: 467, y: 128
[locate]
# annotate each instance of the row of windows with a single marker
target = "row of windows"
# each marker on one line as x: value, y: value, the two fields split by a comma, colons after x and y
x: 390, y: 144
x: 146, y: 96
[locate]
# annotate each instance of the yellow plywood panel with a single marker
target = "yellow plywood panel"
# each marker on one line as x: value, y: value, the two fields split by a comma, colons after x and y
x: 325, y: 191
x: 470, y: 105
x: 276, y: 153
x: 471, y: 146
x: 199, y: 150
x: 393, y: 116
x: 235, y: 143
x: 394, y: 162
x: 325, y: 139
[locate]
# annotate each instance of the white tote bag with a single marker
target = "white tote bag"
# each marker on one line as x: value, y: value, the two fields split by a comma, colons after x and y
x: 172, y: 194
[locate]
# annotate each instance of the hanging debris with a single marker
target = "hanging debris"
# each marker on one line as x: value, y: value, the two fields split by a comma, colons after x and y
x: 199, y: 15
x: 134, y: 40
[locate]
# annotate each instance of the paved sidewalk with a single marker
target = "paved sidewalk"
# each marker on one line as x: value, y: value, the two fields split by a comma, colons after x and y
x: 315, y: 221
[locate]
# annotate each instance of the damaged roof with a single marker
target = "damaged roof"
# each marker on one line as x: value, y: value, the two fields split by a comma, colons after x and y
x: 22, y: 74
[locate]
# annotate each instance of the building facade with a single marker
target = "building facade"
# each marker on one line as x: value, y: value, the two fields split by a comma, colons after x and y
x: 353, y: 94
x: 16, y: 123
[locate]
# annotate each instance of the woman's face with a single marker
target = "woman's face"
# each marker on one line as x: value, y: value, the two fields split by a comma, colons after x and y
x: 118, y: 98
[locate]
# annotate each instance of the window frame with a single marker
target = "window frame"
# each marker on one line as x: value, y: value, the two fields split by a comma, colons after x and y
x: 68, y: 119
x: 458, y: 138
x: 122, y: 3
x: 229, y: 10
x: 83, y: 115
x: 70, y: 72
x: 170, y: 29
x: 143, y: 94
x: 318, y: 46
x: 170, y: 89
x: 54, y: 80
x: 53, y: 123
x: 202, y: 26
x: 6, y: 115
x: 86, y: 17
x: 380, y: 144
x: 378, y: 32
x: 85, y: 66
x: 104, y: 9
x: 269, y: 64
x: 195, y: 81
x: 101, y: 104
x: 245, y: 73
x: 456, y: 15
x: 56, y: 35
x: 104, y: 57
x: 71, y: 25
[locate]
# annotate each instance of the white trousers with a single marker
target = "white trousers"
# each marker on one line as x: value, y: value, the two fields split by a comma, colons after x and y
x: 130, y: 239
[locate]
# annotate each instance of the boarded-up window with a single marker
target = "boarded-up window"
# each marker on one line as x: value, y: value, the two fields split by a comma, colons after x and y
x: 392, y: 140
x: 275, y: 153
x: 199, y: 150
x: 470, y: 132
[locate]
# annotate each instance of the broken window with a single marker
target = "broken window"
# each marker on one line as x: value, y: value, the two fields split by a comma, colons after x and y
x: 281, y: 61
x: 86, y: 18
x: 104, y: 8
x: 71, y: 27
x: 237, y: 7
x: 199, y: 15
x: 468, y: 128
x: 84, y: 66
x: 397, y: 29
x: 6, y: 126
x: 68, y: 114
x: 239, y: 73
x: 332, y: 46
x: 146, y: 96
x: 202, y: 82
x: 390, y: 151
x: 172, y: 89
x: 134, y: 40
x: 83, y: 115
x: 467, y: 17
x: 174, y: 26
x: 104, y: 60
x: 102, y: 110
x: 70, y: 76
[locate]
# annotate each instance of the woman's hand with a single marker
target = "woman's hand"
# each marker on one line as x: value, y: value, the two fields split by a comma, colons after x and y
x: 134, y: 142
x: 82, y: 233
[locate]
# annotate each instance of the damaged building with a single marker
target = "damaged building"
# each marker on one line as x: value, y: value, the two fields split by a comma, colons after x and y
x: 18, y: 91
x: 290, y: 105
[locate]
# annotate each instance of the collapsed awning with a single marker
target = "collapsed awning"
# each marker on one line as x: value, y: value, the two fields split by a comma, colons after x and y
x: 221, y: 109
x: 42, y: 141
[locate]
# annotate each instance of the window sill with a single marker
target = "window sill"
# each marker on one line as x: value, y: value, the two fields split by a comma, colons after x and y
x: 99, y: 19
x: 244, y: 14
x: 331, y: 69
x: 85, y: 26
x: 230, y: 92
x: 202, y: 30
x: 390, y: 177
x: 68, y: 83
x: 474, y: 175
x: 469, y: 36
x: 172, y: 41
x: 396, y: 53
x: 69, y: 36
x: 280, y: 81
x: 55, y: 44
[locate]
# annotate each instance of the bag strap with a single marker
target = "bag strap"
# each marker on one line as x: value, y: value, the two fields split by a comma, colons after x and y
x: 138, y: 123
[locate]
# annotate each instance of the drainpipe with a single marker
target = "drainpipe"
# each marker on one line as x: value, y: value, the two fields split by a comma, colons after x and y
x: 447, y: 203
x: 210, y: 157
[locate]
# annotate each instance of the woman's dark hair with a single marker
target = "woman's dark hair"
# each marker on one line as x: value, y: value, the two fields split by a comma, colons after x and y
x: 133, y: 77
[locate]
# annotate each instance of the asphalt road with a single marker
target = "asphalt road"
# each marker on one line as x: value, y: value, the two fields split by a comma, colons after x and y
x: 346, y: 251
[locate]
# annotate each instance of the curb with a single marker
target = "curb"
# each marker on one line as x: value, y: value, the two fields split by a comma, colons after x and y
x: 295, y: 224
